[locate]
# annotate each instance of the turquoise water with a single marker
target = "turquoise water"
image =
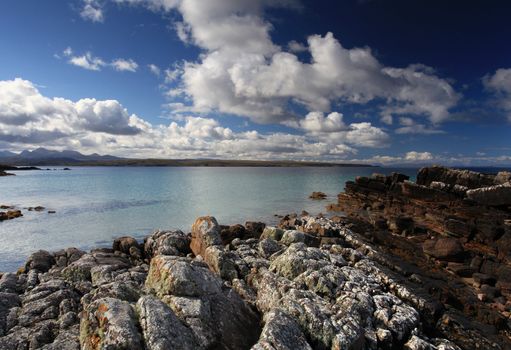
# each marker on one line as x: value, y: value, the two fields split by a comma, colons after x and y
x: 95, y: 204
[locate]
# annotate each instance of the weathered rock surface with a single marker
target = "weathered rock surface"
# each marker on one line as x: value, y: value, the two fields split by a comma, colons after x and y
x: 314, y: 284
x: 205, y: 233
x: 450, y: 234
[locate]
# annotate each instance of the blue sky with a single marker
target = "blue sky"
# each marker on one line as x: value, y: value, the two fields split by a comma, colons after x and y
x: 364, y: 80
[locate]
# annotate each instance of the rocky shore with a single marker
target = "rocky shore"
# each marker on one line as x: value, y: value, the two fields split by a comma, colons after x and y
x: 372, y: 280
x: 451, y: 230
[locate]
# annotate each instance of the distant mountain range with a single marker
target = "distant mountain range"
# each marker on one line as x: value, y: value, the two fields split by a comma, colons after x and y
x: 43, y: 156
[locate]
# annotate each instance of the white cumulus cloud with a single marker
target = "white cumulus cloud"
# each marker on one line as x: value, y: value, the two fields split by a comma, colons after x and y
x: 500, y: 84
x: 92, y: 11
x: 418, y: 156
x: 121, y: 64
x: 29, y: 119
x: 243, y: 72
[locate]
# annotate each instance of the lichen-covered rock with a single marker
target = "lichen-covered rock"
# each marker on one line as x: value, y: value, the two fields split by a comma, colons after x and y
x: 297, y: 259
x: 80, y: 270
x: 195, y: 312
x: 292, y: 236
x: 273, y: 233
x: 161, y: 328
x: 204, y: 304
x: 109, y: 323
x: 221, y: 262
x: 178, y: 276
x: 346, y: 294
x: 267, y: 247
x: 205, y: 233
x: 281, y: 332
x: 7, y: 302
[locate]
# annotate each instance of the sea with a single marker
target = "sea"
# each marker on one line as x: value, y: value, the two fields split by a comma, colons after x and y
x: 93, y: 205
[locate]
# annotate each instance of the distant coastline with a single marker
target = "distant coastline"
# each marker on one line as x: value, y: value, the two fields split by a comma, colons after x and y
x: 181, y: 163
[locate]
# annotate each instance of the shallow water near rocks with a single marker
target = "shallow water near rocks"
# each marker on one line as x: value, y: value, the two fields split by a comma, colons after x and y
x: 95, y: 204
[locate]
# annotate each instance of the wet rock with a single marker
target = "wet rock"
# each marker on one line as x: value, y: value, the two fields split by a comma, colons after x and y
x: 40, y: 260
x: 10, y: 214
x: 38, y: 208
x: 167, y: 243
x: 124, y: 244
x: 255, y: 228
x: 231, y: 232
x: 318, y: 195
x: 109, y: 324
x: 205, y: 233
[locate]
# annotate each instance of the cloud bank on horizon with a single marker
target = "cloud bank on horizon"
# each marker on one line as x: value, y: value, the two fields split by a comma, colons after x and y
x: 302, y: 87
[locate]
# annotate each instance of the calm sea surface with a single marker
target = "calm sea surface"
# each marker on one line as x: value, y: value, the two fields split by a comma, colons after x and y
x: 95, y: 204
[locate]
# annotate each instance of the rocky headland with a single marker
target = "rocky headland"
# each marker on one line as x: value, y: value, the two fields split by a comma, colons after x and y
x: 377, y: 279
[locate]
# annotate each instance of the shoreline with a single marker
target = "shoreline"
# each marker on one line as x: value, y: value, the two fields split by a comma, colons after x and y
x: 408, y: 267
x: 174, y: 163
x: 246, y: 272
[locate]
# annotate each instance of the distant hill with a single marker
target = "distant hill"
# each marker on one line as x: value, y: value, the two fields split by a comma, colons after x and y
x: 43, y: 156
x: 5, y: 154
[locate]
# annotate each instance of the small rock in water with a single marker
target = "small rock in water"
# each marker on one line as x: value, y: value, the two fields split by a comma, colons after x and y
x: 10, y: 214
x: 318, y: 195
